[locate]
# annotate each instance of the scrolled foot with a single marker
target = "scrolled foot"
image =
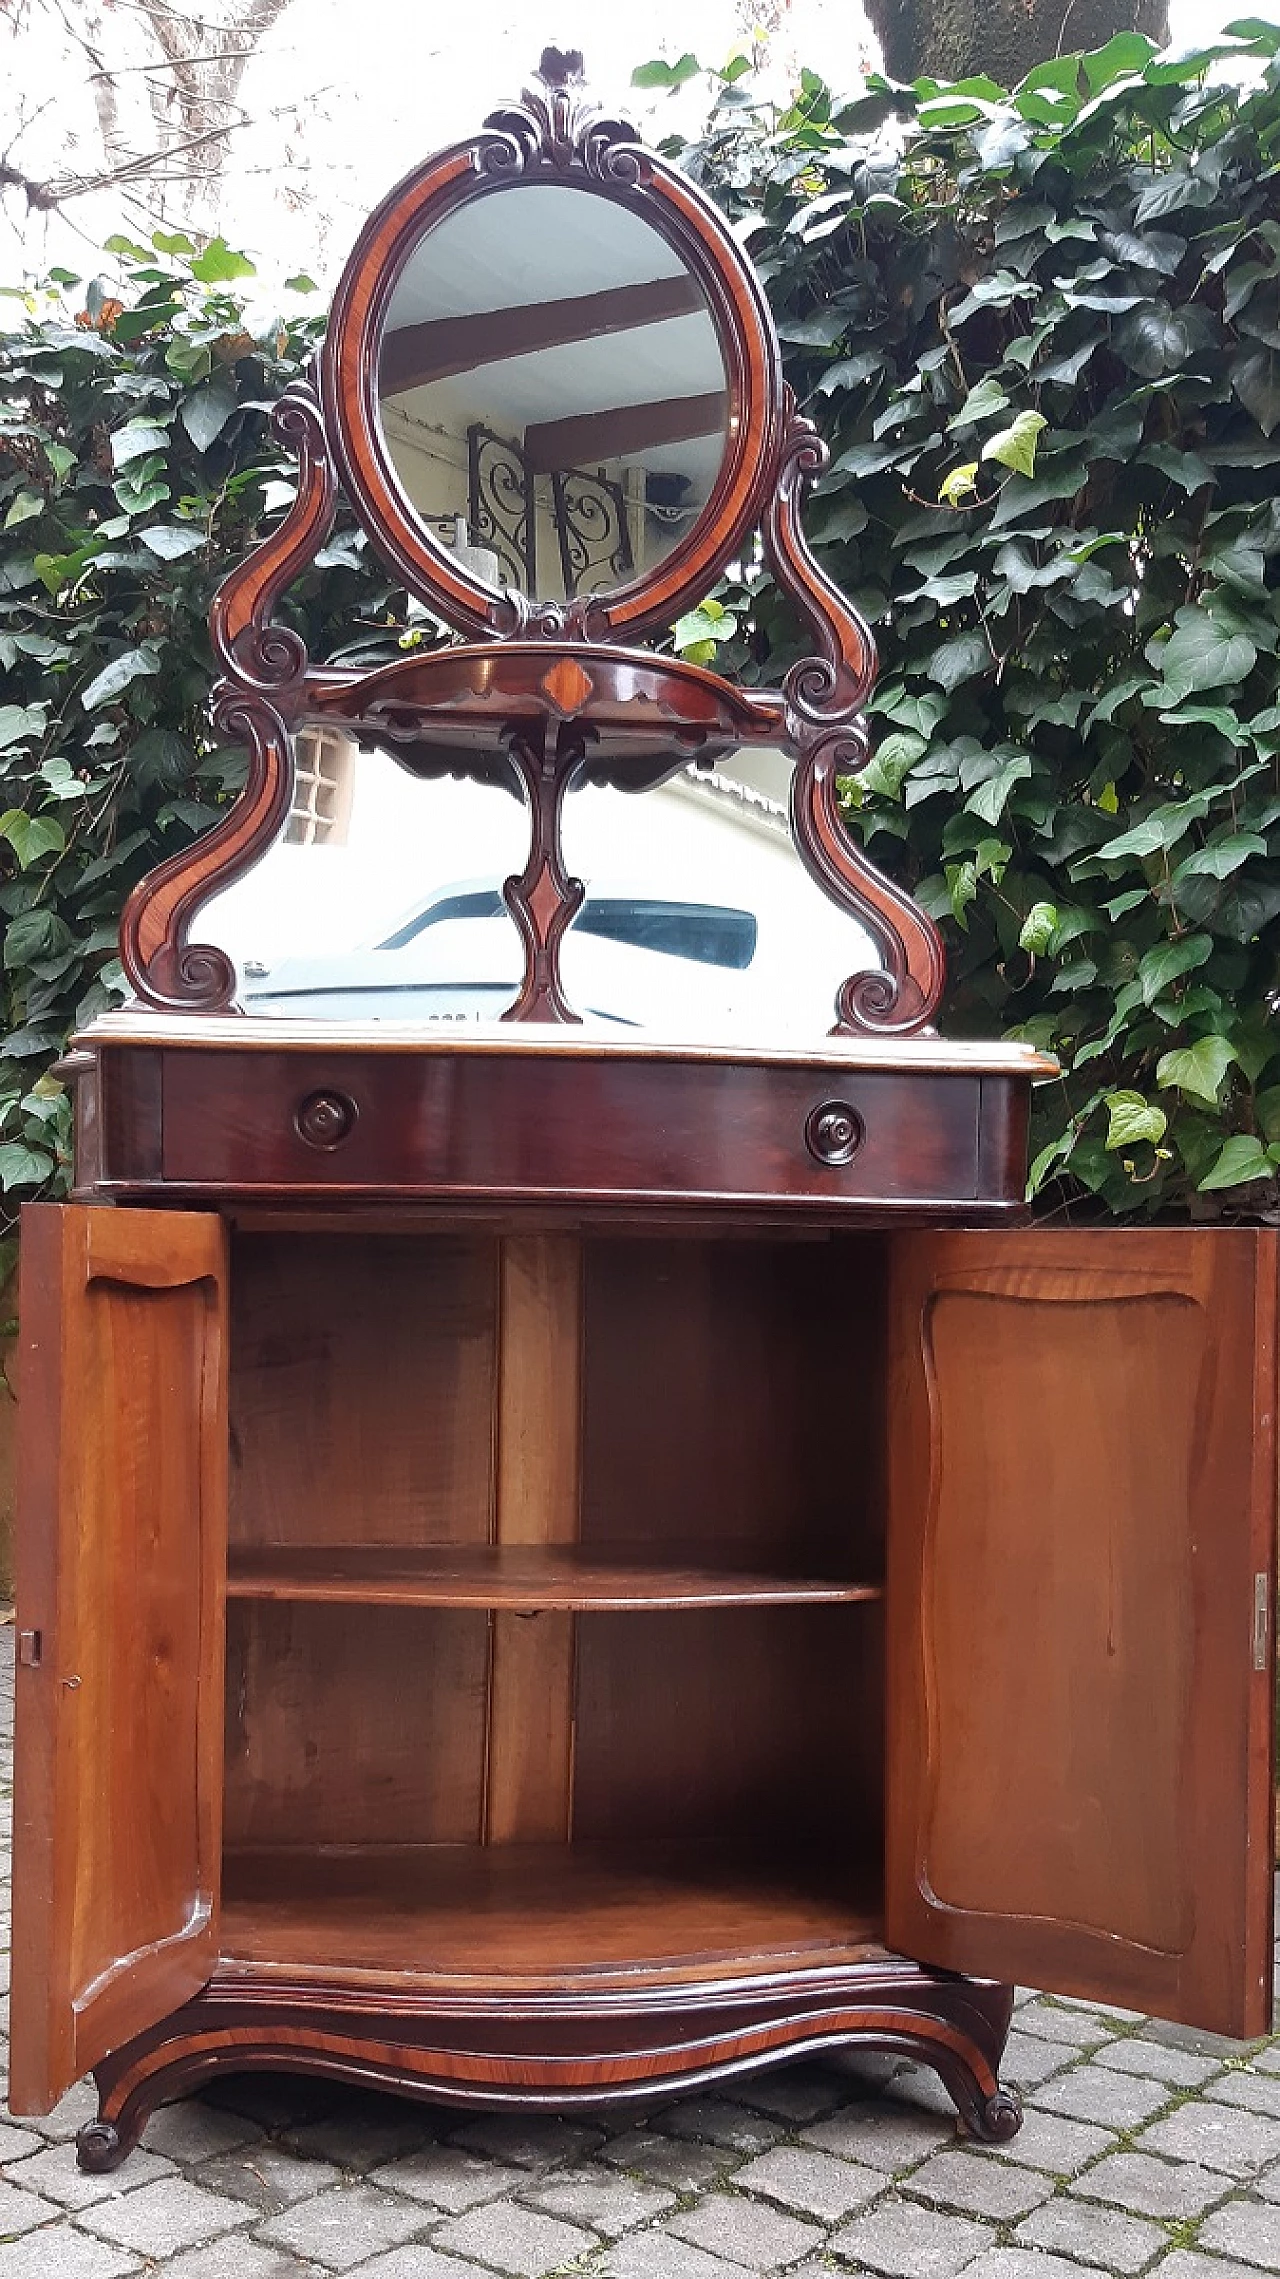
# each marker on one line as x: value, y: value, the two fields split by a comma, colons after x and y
x: 99, y: 2148
x: 1000, y: 2117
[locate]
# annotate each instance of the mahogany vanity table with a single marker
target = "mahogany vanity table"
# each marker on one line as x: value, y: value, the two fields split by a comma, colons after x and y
x: 561, y: 1560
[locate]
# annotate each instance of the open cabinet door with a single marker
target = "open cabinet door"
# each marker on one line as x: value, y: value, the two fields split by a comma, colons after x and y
x: 121, y: 1580
x: 1082, y: 1518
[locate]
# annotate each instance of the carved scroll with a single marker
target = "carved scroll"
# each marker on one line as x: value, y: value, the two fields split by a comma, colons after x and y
x: 823, y: 694
x: 264, y: 667
x: 903, y: 995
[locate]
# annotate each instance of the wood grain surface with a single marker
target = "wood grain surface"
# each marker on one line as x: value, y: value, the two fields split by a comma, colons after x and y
x: 1082, y: 1507
x: 121, y: 1572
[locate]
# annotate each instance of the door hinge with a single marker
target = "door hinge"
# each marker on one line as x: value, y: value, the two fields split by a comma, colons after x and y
x: 1261, y: 1619
x: 30, y: 1648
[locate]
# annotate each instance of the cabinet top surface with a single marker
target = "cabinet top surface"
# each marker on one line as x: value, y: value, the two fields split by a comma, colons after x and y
x: 233, y: 1032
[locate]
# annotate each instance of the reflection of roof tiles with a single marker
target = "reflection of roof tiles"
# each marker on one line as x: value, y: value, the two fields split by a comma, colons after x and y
x: 753, y: 806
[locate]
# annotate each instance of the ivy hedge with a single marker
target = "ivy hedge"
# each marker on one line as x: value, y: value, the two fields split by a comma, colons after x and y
x: 1040, y: 336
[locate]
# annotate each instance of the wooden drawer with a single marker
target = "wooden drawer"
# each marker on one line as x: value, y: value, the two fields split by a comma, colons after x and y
x: 573, y: 1127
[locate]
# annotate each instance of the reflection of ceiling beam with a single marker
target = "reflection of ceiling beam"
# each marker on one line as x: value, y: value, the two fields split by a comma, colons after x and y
x: 415, y: 354
x: 592, y: 436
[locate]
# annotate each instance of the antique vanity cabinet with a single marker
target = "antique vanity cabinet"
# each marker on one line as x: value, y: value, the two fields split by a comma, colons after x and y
x: 563, y: 1558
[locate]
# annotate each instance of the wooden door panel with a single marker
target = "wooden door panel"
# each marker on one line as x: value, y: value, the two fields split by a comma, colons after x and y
x: 121, y: 1578
x: 1082, y: 1496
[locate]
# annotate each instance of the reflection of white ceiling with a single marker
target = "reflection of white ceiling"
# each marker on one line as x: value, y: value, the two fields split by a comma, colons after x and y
x: 544, y: 242
x: 680, y: 357
x: 536, y: 241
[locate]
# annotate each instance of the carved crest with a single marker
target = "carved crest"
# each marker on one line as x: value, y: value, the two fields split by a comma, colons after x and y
x: 556, y: 124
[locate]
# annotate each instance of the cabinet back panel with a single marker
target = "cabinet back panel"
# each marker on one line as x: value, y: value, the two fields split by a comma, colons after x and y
x: 740, y: 1725
x: 354, y: 1725
x: 362, y: 1388
x: 730, y: 1391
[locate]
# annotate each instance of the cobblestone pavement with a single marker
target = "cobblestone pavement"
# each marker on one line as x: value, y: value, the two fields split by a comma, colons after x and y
x: 1145, y: 2149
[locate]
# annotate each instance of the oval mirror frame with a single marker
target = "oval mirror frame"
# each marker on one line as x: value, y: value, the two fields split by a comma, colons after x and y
x: 545, y: 683
x: 554, y: 135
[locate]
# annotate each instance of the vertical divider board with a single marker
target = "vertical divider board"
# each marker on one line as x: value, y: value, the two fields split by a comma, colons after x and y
x: 529, y: 1779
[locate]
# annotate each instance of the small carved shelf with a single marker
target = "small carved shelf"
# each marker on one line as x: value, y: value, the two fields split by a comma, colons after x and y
x: 572, y: 1576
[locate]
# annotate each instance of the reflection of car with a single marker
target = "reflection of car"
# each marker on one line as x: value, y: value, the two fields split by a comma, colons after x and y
x: 629, y: 958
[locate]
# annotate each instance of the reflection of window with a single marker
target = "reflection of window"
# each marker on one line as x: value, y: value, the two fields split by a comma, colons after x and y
x: 324, y: 763
x: 702, y: 931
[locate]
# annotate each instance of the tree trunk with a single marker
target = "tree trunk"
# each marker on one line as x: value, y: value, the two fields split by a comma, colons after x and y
x: 1001, y: 39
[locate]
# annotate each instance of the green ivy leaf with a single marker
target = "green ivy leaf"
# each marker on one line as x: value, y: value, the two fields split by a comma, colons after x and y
x: 892, y: 761
x: 988, y: 802
x: 135, y: 440
x: 982, y: 402
x: 659, y: 74
x: 1201, y: 654
x: 1243, y: 1158
x: 1156, y: 833
x: 23, y: 1166
x: 32, y: 935
x: 1266, y: 1108
x: 219, y: 265
x: 959, y: 660
x: 1220, y: 857
x: 1255, y: 377
x: 959, y: 486
x: 205, y: 414
x: 1172, y: 193
x: 1197, y: 1069
x: 114, y: 678
x: 702, y: 628
x: 1015, y: 446
x: 1169, y: 960
x: 25, y: 508
x: 172, y: 540
x: 1038, y: 928
x: 962, y: 888
x: 32, y: 836
x: 1130, y: 1118
x: 1153, y: 339
x: 1211, y: 715
x: 18, y: 721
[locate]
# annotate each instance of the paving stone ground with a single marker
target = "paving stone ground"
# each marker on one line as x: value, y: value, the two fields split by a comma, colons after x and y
x: 1145, y: 2150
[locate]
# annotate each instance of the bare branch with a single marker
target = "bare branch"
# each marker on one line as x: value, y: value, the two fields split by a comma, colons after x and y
x: 43, y: 196
x: 190, y: 89
x: 161, y: 63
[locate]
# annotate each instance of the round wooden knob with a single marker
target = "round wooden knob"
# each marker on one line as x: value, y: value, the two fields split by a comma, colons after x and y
x: 834, y: 1132
x: 325, y: 1119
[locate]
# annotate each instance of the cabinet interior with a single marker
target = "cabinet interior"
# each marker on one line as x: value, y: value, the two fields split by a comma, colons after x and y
x: 554, y: 1602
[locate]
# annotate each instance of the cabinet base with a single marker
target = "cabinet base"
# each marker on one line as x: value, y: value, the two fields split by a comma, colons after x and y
x: 558, y: 2050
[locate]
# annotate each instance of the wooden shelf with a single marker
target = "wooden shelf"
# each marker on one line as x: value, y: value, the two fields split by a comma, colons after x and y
x: 570, y: 1576
x: 530, y: 1911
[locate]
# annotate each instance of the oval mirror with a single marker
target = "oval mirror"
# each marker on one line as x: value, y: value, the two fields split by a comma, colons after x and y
x: 552, y: 391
